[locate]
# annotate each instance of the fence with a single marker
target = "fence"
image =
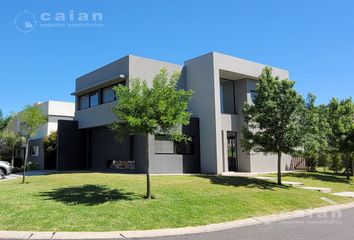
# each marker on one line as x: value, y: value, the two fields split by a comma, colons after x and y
x: 299, y: 164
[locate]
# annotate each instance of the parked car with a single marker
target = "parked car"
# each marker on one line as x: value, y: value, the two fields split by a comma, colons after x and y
x: 5, y: 169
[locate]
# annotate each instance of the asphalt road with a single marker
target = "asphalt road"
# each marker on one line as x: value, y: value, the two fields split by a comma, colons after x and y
x: 325, y: 226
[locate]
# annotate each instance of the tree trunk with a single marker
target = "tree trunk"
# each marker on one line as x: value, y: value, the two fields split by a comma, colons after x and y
x: 279, y: 168
x: 13, y: 157
x: 25, y: 162
x: 352, y: 167
x: 148, y: 185
x: 348, y: 168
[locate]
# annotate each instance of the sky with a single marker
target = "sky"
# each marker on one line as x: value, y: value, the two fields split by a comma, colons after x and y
x: 43, y: 47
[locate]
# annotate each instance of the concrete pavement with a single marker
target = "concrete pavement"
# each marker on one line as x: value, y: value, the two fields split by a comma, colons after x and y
x: 28, y: 174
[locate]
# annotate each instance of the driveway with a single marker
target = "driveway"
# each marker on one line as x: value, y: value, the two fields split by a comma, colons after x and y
x: 28, y: 174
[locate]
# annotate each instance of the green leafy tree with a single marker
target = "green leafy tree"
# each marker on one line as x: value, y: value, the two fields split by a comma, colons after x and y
x: 10, y: 139
x: 50, y: 142
x: 335, y: 162
x: 341, y: 122
x: 143, y: 110
x: 315, y: 132
x: 3, y: 121
x: 50, y: 149
x: 274, y: 118
x: 30, y: 119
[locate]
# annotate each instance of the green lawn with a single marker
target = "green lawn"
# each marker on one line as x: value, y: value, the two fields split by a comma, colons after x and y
x: 109, y: 202
x: 337, y: 182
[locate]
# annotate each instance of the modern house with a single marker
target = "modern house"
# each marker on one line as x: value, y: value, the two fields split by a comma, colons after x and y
x: 221, y: 85
x: 54, y: 111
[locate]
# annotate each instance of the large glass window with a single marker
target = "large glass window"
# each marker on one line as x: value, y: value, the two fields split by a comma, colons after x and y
x: 84, y: 101
x: 108, y: 95
x: 93, y: 99
x: 227, y: 96
x: 102, y: 95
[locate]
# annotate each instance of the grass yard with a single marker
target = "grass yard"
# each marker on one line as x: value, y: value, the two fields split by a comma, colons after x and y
x: 110, y: 202
x: 338, y: 183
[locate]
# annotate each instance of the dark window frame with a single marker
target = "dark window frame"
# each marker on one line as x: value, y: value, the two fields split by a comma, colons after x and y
x: 80, y: 105
x: 109, y: 87
x: 94, y: 93
x: 99, y: 92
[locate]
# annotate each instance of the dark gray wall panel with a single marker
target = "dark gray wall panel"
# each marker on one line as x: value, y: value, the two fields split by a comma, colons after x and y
x: 104, y: 148
x: 71, y: 154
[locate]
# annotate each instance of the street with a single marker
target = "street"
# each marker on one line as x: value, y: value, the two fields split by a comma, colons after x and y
x: 323, y: 226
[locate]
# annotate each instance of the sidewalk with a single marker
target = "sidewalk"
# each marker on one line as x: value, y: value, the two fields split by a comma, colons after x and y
x: 28, y: 174
x: 174, y: 231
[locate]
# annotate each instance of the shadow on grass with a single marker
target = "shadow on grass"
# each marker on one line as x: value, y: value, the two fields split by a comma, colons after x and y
x: 88, y: 195
x: 326, y: 177
x: 243, y: 182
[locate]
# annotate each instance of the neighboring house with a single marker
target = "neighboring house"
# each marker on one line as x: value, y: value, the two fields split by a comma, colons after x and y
x: 221, y: 85
x: 54, y: 111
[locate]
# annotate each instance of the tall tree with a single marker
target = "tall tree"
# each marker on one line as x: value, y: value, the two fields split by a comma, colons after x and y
x: 10, y: 139
x: 160, y: 109
x: 274, y: 118
x: 30, y: 119
x: 3, y: 121
x: 341, y: 122
x: 315, y: 132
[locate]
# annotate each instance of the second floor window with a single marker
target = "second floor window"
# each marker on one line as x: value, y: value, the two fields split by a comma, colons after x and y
x: 97, y: 97
x: 84, y: 102
x: 93, y: 99
x: 108, y: 95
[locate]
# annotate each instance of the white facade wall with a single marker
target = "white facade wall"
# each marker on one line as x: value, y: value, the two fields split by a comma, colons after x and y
x: 54, y: 110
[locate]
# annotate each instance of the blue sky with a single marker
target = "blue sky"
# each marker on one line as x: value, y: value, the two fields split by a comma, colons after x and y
x: 314, y: 40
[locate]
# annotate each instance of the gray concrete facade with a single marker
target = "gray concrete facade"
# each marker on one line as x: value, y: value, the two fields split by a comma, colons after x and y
x: 221, y: 85
x: 203, y: 75
x: 96, y: 149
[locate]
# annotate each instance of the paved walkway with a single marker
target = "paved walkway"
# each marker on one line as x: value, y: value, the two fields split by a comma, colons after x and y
x: 28, y: 173
x: 250, y: 174
x: 344, y: 194
x: 202, y: 232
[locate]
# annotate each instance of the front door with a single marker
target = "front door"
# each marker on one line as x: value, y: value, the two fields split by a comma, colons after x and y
x: 232, y: 151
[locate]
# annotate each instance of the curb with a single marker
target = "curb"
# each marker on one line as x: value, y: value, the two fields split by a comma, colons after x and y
x: 174, y: 231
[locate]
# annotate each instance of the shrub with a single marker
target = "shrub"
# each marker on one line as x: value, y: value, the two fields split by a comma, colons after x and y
x: 336, y: 163
x: 32, y: 166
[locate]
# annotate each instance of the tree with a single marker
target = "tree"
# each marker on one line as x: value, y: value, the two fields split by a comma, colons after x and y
x: 315, y: 132
x: 50, y: 142
x: 3, y: 121
x: 341, y: 122
x: 10, y: 139
x: 30, y: 119
x: 274, y: 118
x: 161, y: 109
x: 50, y: 150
